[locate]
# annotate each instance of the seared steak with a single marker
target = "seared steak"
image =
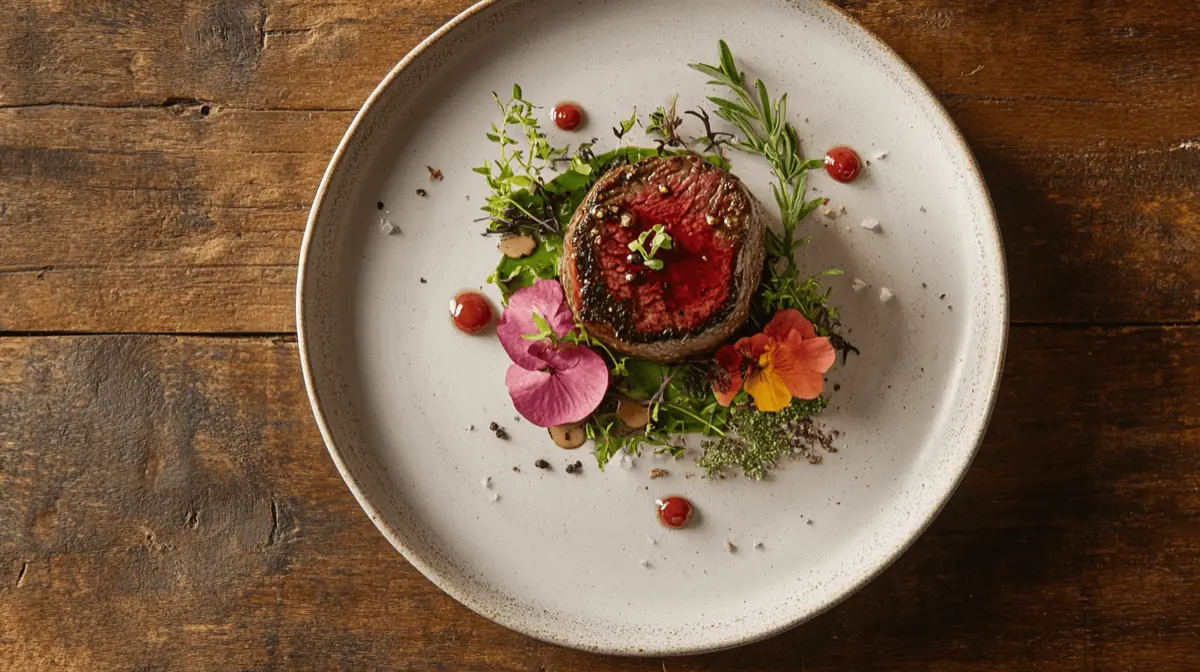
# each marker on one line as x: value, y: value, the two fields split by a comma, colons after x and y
x: 701, y: 295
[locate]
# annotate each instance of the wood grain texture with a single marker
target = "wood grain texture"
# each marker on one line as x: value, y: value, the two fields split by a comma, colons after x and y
x: 166, y: 502
x: 123, y: 153
x: 168, y: 505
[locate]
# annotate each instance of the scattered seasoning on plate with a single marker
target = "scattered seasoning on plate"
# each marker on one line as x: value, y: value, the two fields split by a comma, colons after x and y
x: 424, y: 281
x: 644, y: 563
x: 435, y: 174
x: 858, y: 285
x: 758, y: 545
x: 886, y: 295
x: 924, y: 286
x: 422, y: 193
x: 387, y: 227
x: 871, y: 224
x: 651, y: 541
x: 922, y: 208
x: 379, y: 205
x: 495, y: 497
x: 471, y: 428
x: 575, y: 468
x: 730, y: 547
x: 808, y: 522
x: 541, y: 464
x: 486, y: 482
x: 942, y: 297
x: 837, y: 388
x: 657, y: 473
x: 517, y: 469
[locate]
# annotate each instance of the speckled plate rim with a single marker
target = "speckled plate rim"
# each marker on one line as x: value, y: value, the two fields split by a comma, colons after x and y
x: 1000, y: 323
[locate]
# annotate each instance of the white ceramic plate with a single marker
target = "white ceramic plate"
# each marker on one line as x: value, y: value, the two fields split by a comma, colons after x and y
x: 395, y: 388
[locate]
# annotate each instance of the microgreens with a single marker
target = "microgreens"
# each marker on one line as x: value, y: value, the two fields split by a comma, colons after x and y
x: 626, y: 126
x: 665, y: 124
x: 515, y: 179
x: 661, y: 241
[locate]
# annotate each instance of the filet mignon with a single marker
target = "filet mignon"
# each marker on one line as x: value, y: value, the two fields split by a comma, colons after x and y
x: 701, y: 296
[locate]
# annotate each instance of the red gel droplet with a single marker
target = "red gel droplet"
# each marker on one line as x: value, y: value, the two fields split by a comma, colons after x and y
x: 842, y: 164
x: 568, y: 117
x: 470, y: 312
x: 674, y: 512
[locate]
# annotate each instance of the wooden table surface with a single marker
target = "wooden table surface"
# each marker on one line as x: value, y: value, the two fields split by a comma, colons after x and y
x: 165, y: 499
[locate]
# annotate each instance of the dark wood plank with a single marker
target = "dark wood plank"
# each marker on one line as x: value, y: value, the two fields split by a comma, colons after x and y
x: 168, y: 505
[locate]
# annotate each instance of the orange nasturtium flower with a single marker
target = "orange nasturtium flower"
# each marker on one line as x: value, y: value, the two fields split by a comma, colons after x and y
x: 786, y: 360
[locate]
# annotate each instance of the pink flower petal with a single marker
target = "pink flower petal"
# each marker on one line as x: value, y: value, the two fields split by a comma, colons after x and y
x: 544, y: 297
x: 557, y: 397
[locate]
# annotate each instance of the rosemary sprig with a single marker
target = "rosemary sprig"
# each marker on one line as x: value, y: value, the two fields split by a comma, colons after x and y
x: 762, y: 123
x: 765, y: 130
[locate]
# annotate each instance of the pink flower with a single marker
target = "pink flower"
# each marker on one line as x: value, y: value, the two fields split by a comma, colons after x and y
x: 552, y: 381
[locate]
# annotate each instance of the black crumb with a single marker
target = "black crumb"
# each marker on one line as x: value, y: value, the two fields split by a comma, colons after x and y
x: 422, y: 193
x: 493, y: 426
x: 424, y: 281
x: 516, y: 418
x: 471, y: 428
x: 517, y: 469
x: 922, y: 208
x: 542, y: 464
x: 501, y: 433
x: 435, y: 174
x: 868, y: 162
x: 942, y: 297
x: 575, y: 468
x: 951, y: 308
x: 837, y: 388
x: 924, y: 286
x: 379, y: 205
x: 808, y: 522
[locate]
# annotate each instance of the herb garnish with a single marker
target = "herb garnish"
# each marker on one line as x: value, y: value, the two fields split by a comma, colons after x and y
x: 661, y: 241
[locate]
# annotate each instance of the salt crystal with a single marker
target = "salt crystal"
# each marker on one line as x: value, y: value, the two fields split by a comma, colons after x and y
x: 486, y: 481
x: 871, y: 224
x: 651, y: 540
x: 730, y: 547
x: 495, y: 497
x: 879, y: 156
x: 859, y: 284
x: 758, y: 545
x: 644, y: 563
x: 886, y: 295
x: 387, y: 227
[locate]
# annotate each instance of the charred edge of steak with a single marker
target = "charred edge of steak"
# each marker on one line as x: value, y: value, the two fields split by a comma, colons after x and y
x: 735, y: 214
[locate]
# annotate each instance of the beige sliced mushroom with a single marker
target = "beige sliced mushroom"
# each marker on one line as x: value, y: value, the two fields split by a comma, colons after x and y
x: 517, y: 247
x: 635, y: 415
x: 568, y: 436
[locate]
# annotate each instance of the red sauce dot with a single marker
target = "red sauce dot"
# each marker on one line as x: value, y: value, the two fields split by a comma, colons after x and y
x: 674, y: 512
x: 842, y: 164
x: 568, y: 117
x: 470, y: 312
